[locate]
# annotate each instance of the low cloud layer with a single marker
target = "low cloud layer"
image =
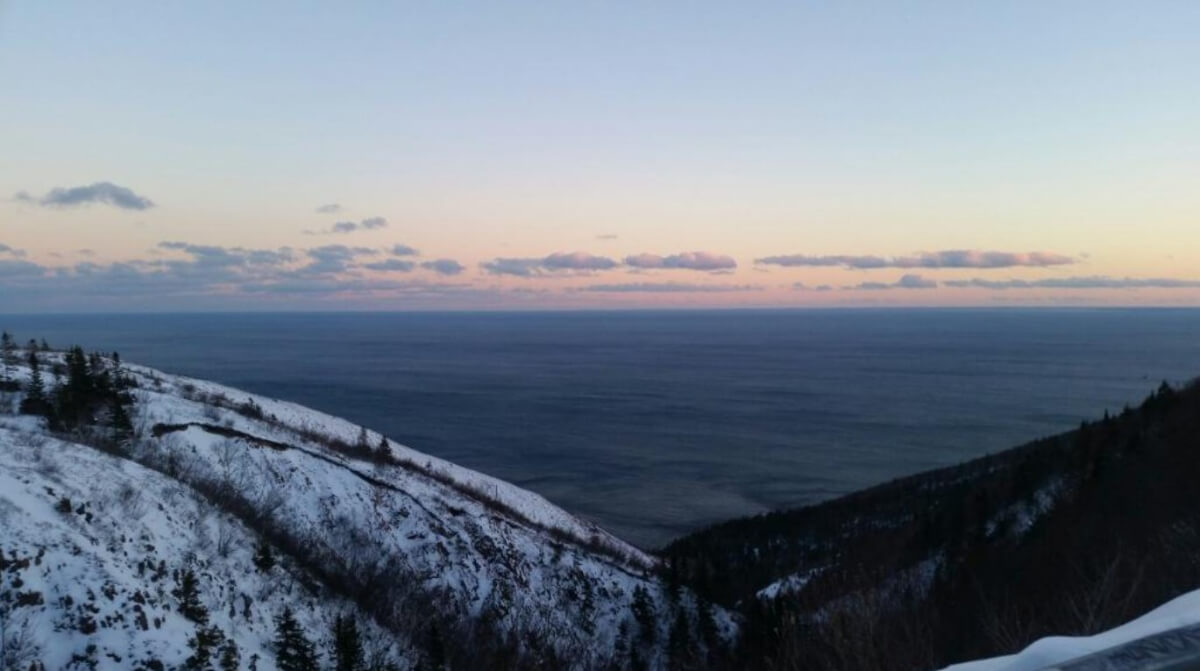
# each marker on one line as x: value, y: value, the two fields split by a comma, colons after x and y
x: 444, y: 266
x: 105, y: 193
x: 342, y: 227
x: 667, y: 287
x: 221, y: 274
x: 328, y: 208
x: 1088, y: 282
x: 10, y: 251
x: 905, y: 282
x: 584, y: 262
x: 555, y: 263
x: 953, y: 258
x: 10, y: 268
x: 685, y: 261
x: 391, y: 265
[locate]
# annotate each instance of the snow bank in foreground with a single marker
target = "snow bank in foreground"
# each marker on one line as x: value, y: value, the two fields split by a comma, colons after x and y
x: 1180, y: 612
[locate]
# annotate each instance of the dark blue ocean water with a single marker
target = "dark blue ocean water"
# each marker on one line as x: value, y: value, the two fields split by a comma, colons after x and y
x: 656, y: 423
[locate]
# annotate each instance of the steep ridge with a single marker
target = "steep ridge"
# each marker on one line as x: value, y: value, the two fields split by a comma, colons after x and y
x: 437, y: 564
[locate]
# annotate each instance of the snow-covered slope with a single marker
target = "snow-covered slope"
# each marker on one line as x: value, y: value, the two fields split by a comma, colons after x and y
x: 409, y: 543
x: 1183, y: 611
x: 94, y: 546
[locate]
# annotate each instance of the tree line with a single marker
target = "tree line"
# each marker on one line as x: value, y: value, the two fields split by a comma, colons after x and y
x: 73, y: 390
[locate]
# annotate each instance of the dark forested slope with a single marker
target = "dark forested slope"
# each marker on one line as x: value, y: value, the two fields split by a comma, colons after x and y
x: 1067, y: 535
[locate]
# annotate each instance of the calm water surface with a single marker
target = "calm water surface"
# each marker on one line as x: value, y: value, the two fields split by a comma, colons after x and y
x: 656, y: 423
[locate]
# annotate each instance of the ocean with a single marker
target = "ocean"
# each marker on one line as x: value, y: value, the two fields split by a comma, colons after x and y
x: 658, y: 423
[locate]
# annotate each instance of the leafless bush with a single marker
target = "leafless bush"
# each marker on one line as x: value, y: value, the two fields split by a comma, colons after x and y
x: 19, y: 645
x: 130, y: 500
x: 226, y: 537
x: 1105, y: 595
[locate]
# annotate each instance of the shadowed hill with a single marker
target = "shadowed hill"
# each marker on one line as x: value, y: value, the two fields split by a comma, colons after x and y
x: 1071, y: 534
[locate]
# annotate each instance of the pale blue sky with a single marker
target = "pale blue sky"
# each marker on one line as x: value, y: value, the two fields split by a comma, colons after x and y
x: 510, y: 130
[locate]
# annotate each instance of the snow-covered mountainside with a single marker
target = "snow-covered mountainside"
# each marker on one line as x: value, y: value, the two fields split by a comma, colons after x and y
x: 183, y: 513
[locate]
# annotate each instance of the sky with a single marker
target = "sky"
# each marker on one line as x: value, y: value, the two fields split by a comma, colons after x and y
x: 394, y: 156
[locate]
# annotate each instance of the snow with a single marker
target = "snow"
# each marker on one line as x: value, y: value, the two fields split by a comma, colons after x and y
x: 437, y: 535
x: 171, y: 408
x: 1180, y: 612
x: 1019, y: 518
x: 92, y: 565
x: 788, y: 585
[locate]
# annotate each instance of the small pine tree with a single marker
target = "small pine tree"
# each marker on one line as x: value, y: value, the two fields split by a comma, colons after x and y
x: 187, y: 591
x: 35, y: 401
x: 708, y: 629
x: 8, y: 355
x: 680, y: 642
x: 643, y: 612
x: 119, y: 422
x: 347, y: 645
x: 435, y: 649
x: 264, y: 559
x: 383, y: 451
x: 203, y: 644
x: 231, y: 657
x: 293, y: 652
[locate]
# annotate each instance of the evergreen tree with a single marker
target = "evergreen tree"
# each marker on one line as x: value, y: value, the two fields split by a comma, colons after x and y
x: 383, y: 452
x: 187, y: 591
x: 435, y: 649
x: 77, y: 392
x: 708, y: 629
x: 203, y: 644
x: 347, y: 645
x: 643, y: 612
x: 680, y: 641
x: 8, y: 355
x: 264, y: 559
x: 35, y: 402
x: 231, y: 657
x: 118, y: 420
x: 620, y: 647
x: 293, y: 652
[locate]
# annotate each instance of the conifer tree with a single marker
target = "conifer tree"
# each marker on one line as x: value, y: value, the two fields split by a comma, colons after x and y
x: 8, y: 355
x: 231, y: 657
x: 35, y: 402
x: 347, y: 645
x: 293, y: 652
x: 383, y: 452
x: 203, y: 644
x: 708, y: 629
x: 363, y: 444
x: 119, y: 421
x: 264, y: 559
x: 435, y: 649
x: 643, y: 612
x: 188, y: 593
x: 679, y: 642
